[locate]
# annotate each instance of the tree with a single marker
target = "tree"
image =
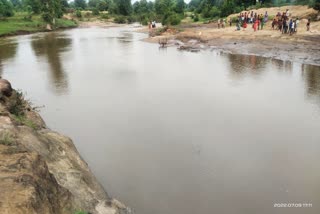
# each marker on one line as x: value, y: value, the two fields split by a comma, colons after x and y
x: 317, y: 5
x: 123, y: 7
x: 180, y: 5
x: 65, y: 5
x: 17, y: 4
x: 6, y: 8
x: 34, y: 4
x: 80, y: 4
x: 51, y: 9
x: 102, y: 5
x: 163, y: 7
x: 93, y: 3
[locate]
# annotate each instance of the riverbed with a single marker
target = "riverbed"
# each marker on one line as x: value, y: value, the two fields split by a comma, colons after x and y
x: 175, y: 132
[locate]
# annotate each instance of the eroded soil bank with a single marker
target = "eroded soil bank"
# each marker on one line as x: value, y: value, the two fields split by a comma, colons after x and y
x: 41, y: 171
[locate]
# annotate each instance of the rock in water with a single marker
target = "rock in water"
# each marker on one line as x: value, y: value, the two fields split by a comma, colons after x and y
x: 5, y: 88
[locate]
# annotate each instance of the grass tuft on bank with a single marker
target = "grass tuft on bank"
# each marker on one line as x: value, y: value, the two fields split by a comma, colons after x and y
x: 19, y: 24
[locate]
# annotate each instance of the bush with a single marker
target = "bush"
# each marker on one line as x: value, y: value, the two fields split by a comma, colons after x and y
x: 174, y: 19
x: 18, y: 104
x: 78, y: 14
x: 6, y: 138
x: 95, y: 12
x: 171, y: 19
x: 104, y: 16
x: 131, y: 19
x: 80, y: 212
x: 144, y: 21
x: 196, y: 18
x: 120, y: 20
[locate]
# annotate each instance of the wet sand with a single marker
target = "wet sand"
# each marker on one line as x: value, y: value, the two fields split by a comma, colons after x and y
x: 302, y: 46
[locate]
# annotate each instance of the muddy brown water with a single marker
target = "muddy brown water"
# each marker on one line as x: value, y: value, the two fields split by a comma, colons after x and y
x: 171, y: 132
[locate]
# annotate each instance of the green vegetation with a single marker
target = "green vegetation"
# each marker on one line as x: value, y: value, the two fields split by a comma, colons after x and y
x: 6, y: 139
x: 6, y: 9
x: 18, y: 106
x: 316, y: 5
x: 20, y: 23
x: 23, y: 120
x: 80, y: 212
x: 19, y: 16
x: 211, y: 9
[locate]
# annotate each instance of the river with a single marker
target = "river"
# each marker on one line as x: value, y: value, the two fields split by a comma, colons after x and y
x: 172, y: 132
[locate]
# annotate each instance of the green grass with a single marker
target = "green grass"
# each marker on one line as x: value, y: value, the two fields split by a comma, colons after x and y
x: 22, y: 119
x: 6, y: 138
x: 80, y: 212
x: 18, y: 24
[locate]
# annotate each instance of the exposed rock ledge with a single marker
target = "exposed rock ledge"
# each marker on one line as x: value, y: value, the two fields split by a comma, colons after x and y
x: 41, y: 171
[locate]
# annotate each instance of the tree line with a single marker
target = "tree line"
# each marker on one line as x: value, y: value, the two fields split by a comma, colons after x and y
x: 166, y: 11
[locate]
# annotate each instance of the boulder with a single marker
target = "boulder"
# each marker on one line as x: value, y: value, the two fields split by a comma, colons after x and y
x: 5, y: 87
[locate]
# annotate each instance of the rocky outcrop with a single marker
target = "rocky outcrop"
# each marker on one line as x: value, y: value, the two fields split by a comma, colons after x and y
x: 41, y: 171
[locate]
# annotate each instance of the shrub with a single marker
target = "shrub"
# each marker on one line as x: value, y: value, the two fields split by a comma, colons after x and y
x: 78, y: 14
x: 131, y: 19
x: 104, y: 16
x: 80, y: 212
x: 95, y: 12
x: 18, y: 104
x: 23, y: 120
x: 144, y: 21
x: 174, y: 19
x: 6, y: 139
x: 196, y: 18
x: 120, y: 20
x: 171, y: 19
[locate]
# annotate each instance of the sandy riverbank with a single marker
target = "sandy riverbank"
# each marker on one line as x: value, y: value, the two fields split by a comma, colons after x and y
x: 302, y: 46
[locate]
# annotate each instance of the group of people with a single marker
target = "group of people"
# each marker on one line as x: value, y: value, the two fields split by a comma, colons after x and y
x: 257, y: 20
x: 281, y: 22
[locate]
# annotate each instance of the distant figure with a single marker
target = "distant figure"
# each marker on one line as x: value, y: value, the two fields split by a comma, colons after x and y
x: 256, y: 25
x: 230, y: 22
x: 244, y: 25
x: 266, y: 17
x: 297, y: 23
x: 261, y: 22
x: 287, y: 13
x: 308, y: 24
x: 291, y: 26
x: 238, y: 24
x: 274, y: 23
x: 154, y: 24
x: 223, y: 23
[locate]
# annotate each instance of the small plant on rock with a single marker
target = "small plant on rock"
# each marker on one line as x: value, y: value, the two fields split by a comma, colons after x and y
x: 6, y: 138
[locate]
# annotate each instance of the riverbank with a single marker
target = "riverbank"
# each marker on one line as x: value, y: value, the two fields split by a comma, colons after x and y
x: 20, y: 25
x: 302, y: 46
x: 41, y: 171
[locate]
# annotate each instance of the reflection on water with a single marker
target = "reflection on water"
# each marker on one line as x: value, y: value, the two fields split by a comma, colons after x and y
x: 311, y: 75
x: 52, y: 46
x: 241, y: 64
x: 7, y: 51
x: 173, y: 132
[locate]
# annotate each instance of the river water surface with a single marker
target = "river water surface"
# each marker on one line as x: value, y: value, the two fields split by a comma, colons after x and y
x: 170, y: 132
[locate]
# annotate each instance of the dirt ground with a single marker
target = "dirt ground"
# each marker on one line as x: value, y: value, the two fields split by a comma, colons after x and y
x: 304, y: 46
